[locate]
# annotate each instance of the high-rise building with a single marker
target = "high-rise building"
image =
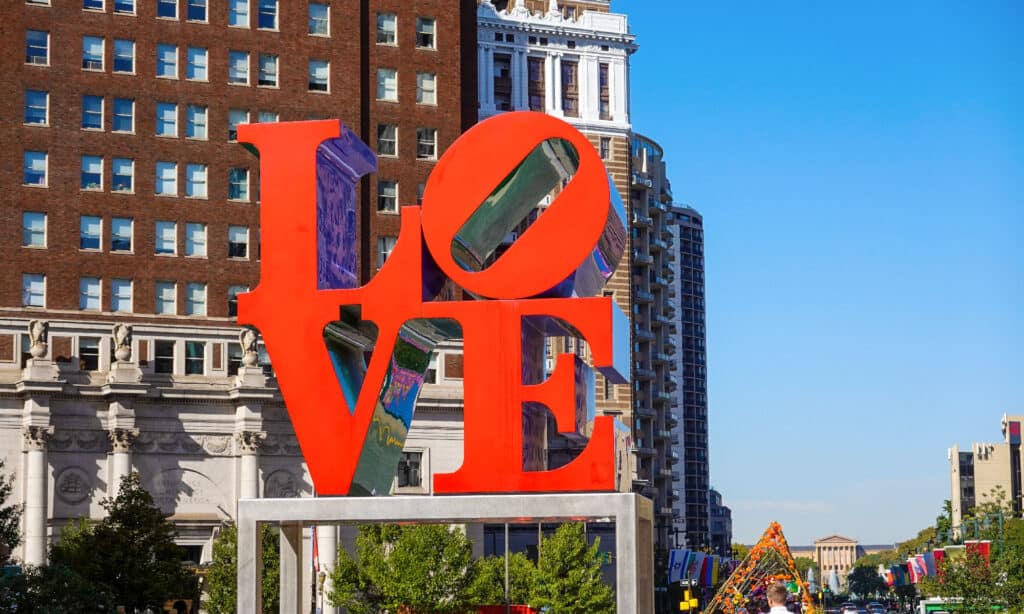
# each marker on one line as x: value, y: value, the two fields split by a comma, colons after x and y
x: 981, y: 474
x: 128, y: 202
x: 721, y: 524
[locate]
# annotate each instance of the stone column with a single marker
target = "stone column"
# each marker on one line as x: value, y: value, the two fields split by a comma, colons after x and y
x: 549, y: 83
x: 521, y: 90
x: 249, y: 443
x: 121, y: 441
x: 327, y: 546
x: 556, y: 91
x: 487, y: 102
x: 36, y: 488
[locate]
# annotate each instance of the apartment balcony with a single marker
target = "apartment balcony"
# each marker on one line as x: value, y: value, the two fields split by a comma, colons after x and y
x: 645, y: 412
x: 642, y: 221
x: 661, y: 358
x: 662, y: 435
x: 643, y: 334
x: 671, y: 422
x: 642, y: 449
x: 672, y: 458
x: 665, y: 511
x: 662, y: 397
x: 673, y: 495
x: 658, y: 245
x: 642, y: 296
x: 644, y: 374
x: 660, y: 281
x: 660, y: 206
x: 666, y: 232
x: 641, y: 257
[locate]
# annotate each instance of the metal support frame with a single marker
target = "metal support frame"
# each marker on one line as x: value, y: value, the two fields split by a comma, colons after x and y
x: 633, y: 516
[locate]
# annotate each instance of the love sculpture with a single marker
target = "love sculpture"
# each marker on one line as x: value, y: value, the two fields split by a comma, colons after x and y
x: 351, y: 413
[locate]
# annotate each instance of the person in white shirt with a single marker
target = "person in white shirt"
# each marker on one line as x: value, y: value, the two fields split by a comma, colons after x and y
x: 777, y: 594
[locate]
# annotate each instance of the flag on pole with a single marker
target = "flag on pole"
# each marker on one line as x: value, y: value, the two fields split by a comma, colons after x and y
x: 316, y: 552
x: 676, y: 563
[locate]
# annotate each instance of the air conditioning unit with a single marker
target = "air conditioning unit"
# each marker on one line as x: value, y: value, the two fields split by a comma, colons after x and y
x: 549, y: 364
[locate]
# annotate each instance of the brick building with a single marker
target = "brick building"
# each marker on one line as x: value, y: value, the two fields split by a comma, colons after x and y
x: 125, y: 200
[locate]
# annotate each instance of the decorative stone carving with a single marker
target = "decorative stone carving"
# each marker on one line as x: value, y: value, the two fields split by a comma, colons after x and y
x: 38, y: 334
x: 247, y: 338
x: 250, y: 442
x: 36, y: 437
x: 122, y: 334
x: 121, y: 440
x: 281, y: 484
x: 73, y: 486
x: 216, y: 445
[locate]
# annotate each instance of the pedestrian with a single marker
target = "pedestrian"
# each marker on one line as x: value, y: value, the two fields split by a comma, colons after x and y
x: 777, y: 594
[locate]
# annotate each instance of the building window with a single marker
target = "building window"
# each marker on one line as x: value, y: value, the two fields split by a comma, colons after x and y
x: 319, y: 75
x: 233, y: 292
x: 168, y: 9
x: 124, y: 7
x: 605, y: 147
x: 319, y: 19
x: 535, y: 83
x: 236, y: 117
x: 89, y: 294
x: 502, y: 81
x: 267, y: 76
x: 166, y: 239
x: 195, y: 240
x: 167, y: 178
x: 267, y: 117
x: 166, y: 298
x: 124, y: 56
x: 195, y: 299
x: 420, y: 189
x: 121, y: 295
x: 92, y: 5
x: 238, y: 13
x: 426, y: 143
x: 430, y: 377
x: 234, y: 358
x: 92, y: 173
x: 92, y: 53
x: 385, y: 245
x: 33, y: 290
x: 35, y: 168
x: 195, y: 357
x: 196, y: 10
x: 238, y: 184
x: 387, y: 29
x: 195, y: 181
x: 570, y: 89
x: 387, y: 196
x: 195, y: 122
x: 425, y: 36
x: 90, y: 231
x: 33, y: 229
x: 238, y: 67
x: 167, y: 61
x: 37, y: 47
x: 121, y: 234
x: 238, y: 242
x: 197, y: 60
x: 426, y: 88
x: 603, y: 92
x: 37, y: 107
x: 266, y: 18
x: 166, y: 119
x: 387, y: 139
x: 387, y: 84
x: 92, y: 112
x: 88, y: 353
x: 124, y: 115
x: 163, y: 356
x: 409, y: 468
x: 122, y: 175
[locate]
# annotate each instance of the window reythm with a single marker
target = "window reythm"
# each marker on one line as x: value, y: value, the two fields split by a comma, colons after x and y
x: 33, y: 290
x: 121, y: 234
x: 167, y: 178
x: 121, y: 295
x: 124, y: 7
x: 90, y: 231
x: 197, y: 62
x: 266, y: 18
x: 89, y: 293
x: 195, y: 356
x: 605, y: 147
x: 195, y: 122
x: 168, y: 9
x: 238, y: 67
x: 425, y: 33
x: 33, y: 229
x: 122, y: 175
x: 238, y: 242
x: 89, y: 353
x: 235, y: 117
x: 267, y: 117
x: 319, y: 76
x: 195, y: 181
x: 195, y: 240
x: 267, y: 76
x: 196, y: 10
x: 92, y: 5
x: 167, y: 61
x: 37, y: 107
x: 409, y: 470
x: 166, y: 119
x: 233, y: 292
x: 234, y: 358
x: 426, y: 143
x: 319, y: 19
x: 195, y: 299
x: 35, y: 168
x: 385, y: 245
x: 124, y: 56
x: 124, y: 115
x: 92, y: 112
x: 163, y: 354
x: 426, y: 88
x: 387, y: 196
x: 238, y: 13
x: 387, y: 29
x: 37, y: 47
x: 387, y: 139
x: 238, y: 184
x: 92, y: 173
x: 387, y: 84
x: 166, y: 239
x: 166, y: 299
x: 92, y: 53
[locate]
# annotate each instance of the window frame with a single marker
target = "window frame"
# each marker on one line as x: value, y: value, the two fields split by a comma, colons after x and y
x: 326, y: 64
x: 276, y: 15
x: 30, y: 232
x: 382, y: 30
x: 45, y: 175
x: 381, y: 196
x: 205, y: 5
x: 242, y: 195
x: 102, y: 55
x: 114, y: 175
x: 93, y: 112
x: 382, y: 138
x: 233, y: 292
x: 382, y: 84
x: 114, y: 57
x: 116, y: 235
x: 232, y: 13
x: 162, y: 122
x: 85, y: 226
x: 420, y: 21
x: 244, y: 243
x: 276, y: 84
x: 173, y: 166
x: 116, y: 298
x: 91, y: 187
x: 421, y: 90
x: 89, y: 353
x: 385, y: 246
x: 88, y: 292
x: 162, y: 47
x: 313, y: 31
x: 132, y: 3
x: 158, y: 238
x: 159, y: 299
x: 190, y: 361
x: 191, y: 184
x: 164, y: 3
x: 192, y: 306
x: 114, y: 115
x: 29, y: 107
x: 195, y: 246
x: 27, y: 290
x: 420, y: 134
x: 193, y: 65
x: 46, y: 48
x: 197, y: 117
x: 233, y: 127
x: 233, y: 57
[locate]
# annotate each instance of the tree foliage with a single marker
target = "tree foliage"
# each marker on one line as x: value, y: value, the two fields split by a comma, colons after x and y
x: 865, y: 582
x: 803, y: 563
x: 488, y: 587
x: 969, y: 579
x: 568, y: 577
x: 53, y: 589
x: 222, y: 576
x: 131, y: 553
x: 10, y: 518
x: 740, y: 552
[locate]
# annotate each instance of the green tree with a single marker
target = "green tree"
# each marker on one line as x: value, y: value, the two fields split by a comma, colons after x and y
x: 10, y: 519
x: 740, y: 552
x: 865, y: 582
x: 488, y: 586
x: 423, y: 568
x: 131, y: 553
x: 568, y: 577
x: 54, y: 589
x: 803, y: 563
x: 222, y: 575
x: 969, y: 579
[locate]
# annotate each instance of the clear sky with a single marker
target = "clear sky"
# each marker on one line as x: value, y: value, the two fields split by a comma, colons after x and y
x: 860, y: 167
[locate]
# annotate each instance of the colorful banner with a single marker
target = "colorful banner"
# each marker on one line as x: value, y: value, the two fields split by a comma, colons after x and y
x: 676, y: 564
x: 929, y: 563
x: 982, y: 547
x: 694, y: 565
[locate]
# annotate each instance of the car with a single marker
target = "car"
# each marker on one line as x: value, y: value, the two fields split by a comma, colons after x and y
x: 848, y: 607
x: 875, y: 608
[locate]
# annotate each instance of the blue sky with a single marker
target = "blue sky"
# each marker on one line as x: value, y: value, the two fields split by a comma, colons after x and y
x: 860, y: 169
